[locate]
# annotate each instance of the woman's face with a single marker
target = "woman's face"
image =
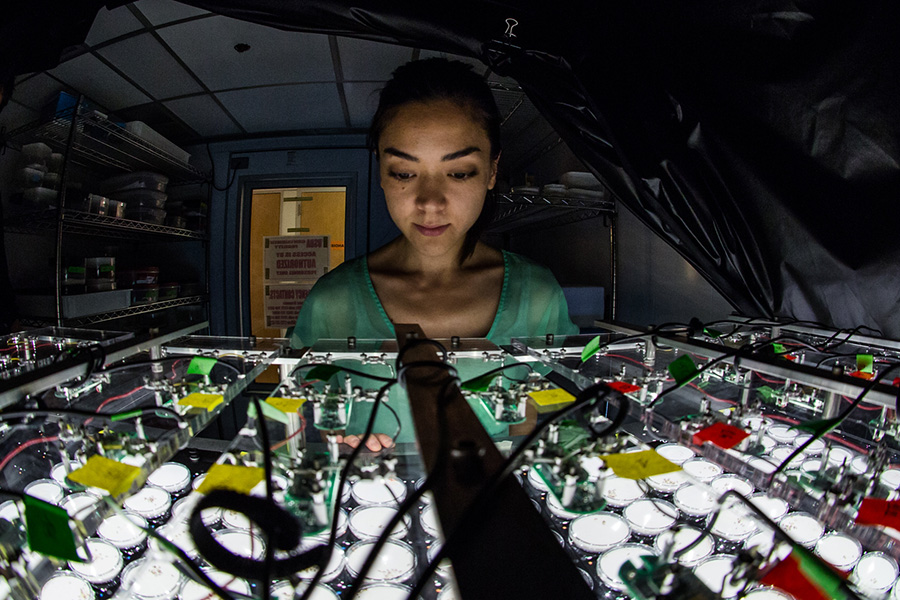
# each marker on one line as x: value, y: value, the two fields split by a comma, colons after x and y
x: 435, y: 169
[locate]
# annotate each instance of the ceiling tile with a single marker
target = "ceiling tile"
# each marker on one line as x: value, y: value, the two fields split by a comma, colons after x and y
x: 363, y: 60
x: 362, y: 100
x: 203, y: 115
x: 478, y: 66
x: 15, y: 115
x: 151, y: 66
x: 286, y: 108
x: 111, y: 24
x: 160, y: 12
x: 275, y: 56
x: 37, y: 91
x: 91, y: 77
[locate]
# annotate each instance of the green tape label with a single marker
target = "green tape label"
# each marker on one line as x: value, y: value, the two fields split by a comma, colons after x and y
x: 478, y: 384
x: 591, y: 349
x: 818, y: 427
x: 49, y: 530
x: 201, y: 365
x: 682, y: 369
x: 865, y: 363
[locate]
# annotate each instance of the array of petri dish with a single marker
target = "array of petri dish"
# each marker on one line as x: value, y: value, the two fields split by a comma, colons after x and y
x: 124, y: 558
x: 668, y: 512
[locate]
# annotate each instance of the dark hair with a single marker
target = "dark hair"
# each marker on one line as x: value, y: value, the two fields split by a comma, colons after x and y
x: 441, y: 79
x: 7, y: 83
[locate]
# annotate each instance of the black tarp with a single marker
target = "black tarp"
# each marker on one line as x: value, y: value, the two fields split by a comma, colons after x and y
x: 761, y: 139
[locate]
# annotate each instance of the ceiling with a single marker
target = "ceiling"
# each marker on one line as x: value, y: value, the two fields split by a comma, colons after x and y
x: 196, y: 76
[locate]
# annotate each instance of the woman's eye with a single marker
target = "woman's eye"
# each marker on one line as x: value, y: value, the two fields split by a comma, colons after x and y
x: 401, y: 176
x: 466, y: 175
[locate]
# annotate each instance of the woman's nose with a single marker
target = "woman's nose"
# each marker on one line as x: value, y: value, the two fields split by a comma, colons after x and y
x: 431, y: 193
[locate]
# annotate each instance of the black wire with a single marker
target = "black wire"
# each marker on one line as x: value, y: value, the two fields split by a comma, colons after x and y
x: 212, y: 181
x: 415, y: 344
x: 189, y: 562
x: 396, y: 418
x: 345, y: 370
x: 131, y: 365
x: 263, y: 428
x: 499, y: 370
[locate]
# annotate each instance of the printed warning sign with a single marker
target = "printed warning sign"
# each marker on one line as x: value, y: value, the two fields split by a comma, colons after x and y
x: 296, y: 257
x: 283, y: 302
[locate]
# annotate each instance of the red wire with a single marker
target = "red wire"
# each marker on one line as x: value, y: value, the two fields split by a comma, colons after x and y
x: 629, y: 359
x: 293, y: 435
x: 775, y: 381
x: 711, y: 397
x: 119, y: 397
x: 861, y: 407
x: 24, y: 446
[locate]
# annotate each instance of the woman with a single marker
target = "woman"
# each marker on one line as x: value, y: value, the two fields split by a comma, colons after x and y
x: 436, y: 136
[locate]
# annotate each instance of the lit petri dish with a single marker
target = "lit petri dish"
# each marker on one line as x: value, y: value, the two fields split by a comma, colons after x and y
x: 395, y: 591
x: 814, y: 449
x: 695, y: 500
x: 650, y: 517
x: 730, y: 481
x: 149, y: 579
x: 283, y: 590
x: 559, y: 511
x: 198, y: 481
x: 774, y: 508
x: 192, y: 590
x: 395, y: 562
x: 536, y: 481
x: 80, y: 504
x: 384, y: 491
x: 241, y: 542
x: 838, y: 455
x: 58, y: 474
x: 734, y: 523
x: 859, y: 464
x: 763, y: 541
x: 610, y: 562
x: 768, y: 443
x: 9, y: 510
x: 46, y: 490
x: 105, y: 565
x: 181, y: 511
x: 619, y: 492
x: 430, y: 523
x: 369, y: 522
x: 895, y: 592
x: 839, y: 549
x: 598, y: 532
x: 803, y: 528
x: 150, y: 502
x: 766, y: 466
x: 178, y: 534
x: 125, y: 531
x: 783, y: 434
x: 341, y: 528
x: 715, y: 572
x: 173, y: 477
x: 675, y: 453
x: 767, y: 593
x: 233, y: 519
x: 333, y: 569
x: 66, y: 585
x: 875, y: 573
x: 890, y: 478
x: 667, y: 483
x: 702, y: 469
x: 683, y: 537
x: 811, y: 466
x: 444, y: 568
x: 779, y: 454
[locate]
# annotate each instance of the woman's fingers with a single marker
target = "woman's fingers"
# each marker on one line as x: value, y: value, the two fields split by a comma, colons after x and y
x: 376, y: 441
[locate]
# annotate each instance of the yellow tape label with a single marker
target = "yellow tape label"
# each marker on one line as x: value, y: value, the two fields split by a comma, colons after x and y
x: 640, y: 465
x: 100, y: 472
x: 197, y: 400
x: 231, y: 477
x: 551, y: 397
x: 286, y: 405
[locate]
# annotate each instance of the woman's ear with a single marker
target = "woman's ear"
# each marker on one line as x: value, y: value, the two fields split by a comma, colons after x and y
x: 493, y: 179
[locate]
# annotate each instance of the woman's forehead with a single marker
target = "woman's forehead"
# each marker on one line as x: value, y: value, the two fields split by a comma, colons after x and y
x: 431, y: 124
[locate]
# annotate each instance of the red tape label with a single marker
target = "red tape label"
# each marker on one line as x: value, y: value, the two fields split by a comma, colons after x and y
x: 722, y: 435
x: 876, y: 511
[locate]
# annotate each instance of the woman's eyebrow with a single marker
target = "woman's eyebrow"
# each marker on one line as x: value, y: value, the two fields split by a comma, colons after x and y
x: 400, y: 154
x: 461, y: 153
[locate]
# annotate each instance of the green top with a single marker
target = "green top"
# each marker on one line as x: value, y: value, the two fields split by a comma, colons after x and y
x: 343, y: 303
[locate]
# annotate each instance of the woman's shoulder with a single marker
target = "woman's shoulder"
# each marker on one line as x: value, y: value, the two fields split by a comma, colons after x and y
x: 520, y: 266
x: 348, y: 271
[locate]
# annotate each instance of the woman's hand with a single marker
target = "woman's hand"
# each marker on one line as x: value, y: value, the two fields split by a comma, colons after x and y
x: 376, y: 441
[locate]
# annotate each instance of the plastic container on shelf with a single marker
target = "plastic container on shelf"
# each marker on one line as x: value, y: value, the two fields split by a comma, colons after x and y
x: 51, y: 180
x: 138, y: 180
x: 143, y: 198
x: 177, y: 222
x: 168, y: 291
x: 73, y: 280
x: 140, y: 129
x: 154, y: 216
x: 142, y: 276
x: 55, y: 162
x: 116, y: 209
x: 37, y: 153
x: 40, y: 197
x: 32, y: 176
x: 144, y: 294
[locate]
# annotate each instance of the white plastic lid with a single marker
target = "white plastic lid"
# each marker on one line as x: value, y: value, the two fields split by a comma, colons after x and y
x: 536, y: 481
x: 841, y: 550
x: 445, y: 567
x: 774, y: 508
x: 198, y: 480
x: 181, y: 511
x: 611, y: 561
x: 192, y: 590
x: 149, y: 579
x: 46, y: 490
x: 65, y: 585
x: 838, y: 455
x: 782, y: 434
x: 764, y: 540
x: 695, y: 500
x: 171, y: 476
x: 105, y: 565
x: 874, y: 572
x: 369, y: 522
x: 890, y: 478
x: 756, y: 423
x: 734, y: 523
x: 619, y: 492
x: 859, y: 464
x: 241, y: 543
x: 332, y: 569
x: 123, y: 530
x: 430, y: 522
x: 650, y: 517
x: 58, y: 474
x: 684, y: 537
x: 385, y: 491
x: 395, y: 591
x: 702, y: 469
x: 178, y: 534
x: 730, y: 481
x: 235, y: 520
x: 9, y: 510
x: 811, y: 466
x: 559, y: 510
x: 815, y: 448
x: 78, y: 504
x: 714, y: 573
x: 779, y: 454
x: 675, y: 453
x: 598, y: 532
x: 668, y: 482
x: 149, y: 502
x: 395, y: 562
x: 803, y: 528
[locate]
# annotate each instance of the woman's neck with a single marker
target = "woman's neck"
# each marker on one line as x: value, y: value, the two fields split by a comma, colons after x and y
x: 403, y: 256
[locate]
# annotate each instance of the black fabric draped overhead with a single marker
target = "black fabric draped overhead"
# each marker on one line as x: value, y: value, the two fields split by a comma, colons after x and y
x: 760, y: 139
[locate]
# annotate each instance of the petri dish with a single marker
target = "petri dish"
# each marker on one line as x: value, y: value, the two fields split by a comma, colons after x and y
x: 444, y: 568
x: 598, y: 532
x: 46, y: 490
x: 695, y: 500
x: 559, y: 511
x: 783, y: 434
x: 650, y: 517
x: 173, y: 477
x: 58, y: 474
x: 774, y: 508
x: 126, y: 532
x: 756, y: 423
x: 803, y: 528
x: 683, y: 537
x: 890, y: 478
x: 341, y: 528
x: 9, y: 510
x: 395, y: 562
x: 859, y: 464
x: 66, y: 585
x: 839, y: 549
x: 715, y: 573
x: 279, y: 488
x: 536, y: 481
x: 193, y: 590
x: 730, y: 481
x: 150, y: 502
x: 430, y: 523
x: 734, y: 523
x: 149, y: 579
x: 811, y: 466
x: 764, y: 540
x: 333, y: 569
x: 80, y: 504
x: 675, y: 453
x: 233, y: 519
x: 779, y: 454
x: 610, y: 562
x: 702, y: 469
x: 178, y: 534
x: 198, y: 481
x: 369, y: 522
x: 619, y: 492
x: 395, y: 591
x: 181, y: 511
x: 767, y: 593
x: 241, y: 542
x: 383, y: 491
x: 667, y: 483
x: 838, y: 455
x: 814, y: 449
x: 105, y: 565
x: 875, y: 573
x: 766, y: 466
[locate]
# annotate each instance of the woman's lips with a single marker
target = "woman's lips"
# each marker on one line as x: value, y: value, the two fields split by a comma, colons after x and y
x: 431, y: 231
